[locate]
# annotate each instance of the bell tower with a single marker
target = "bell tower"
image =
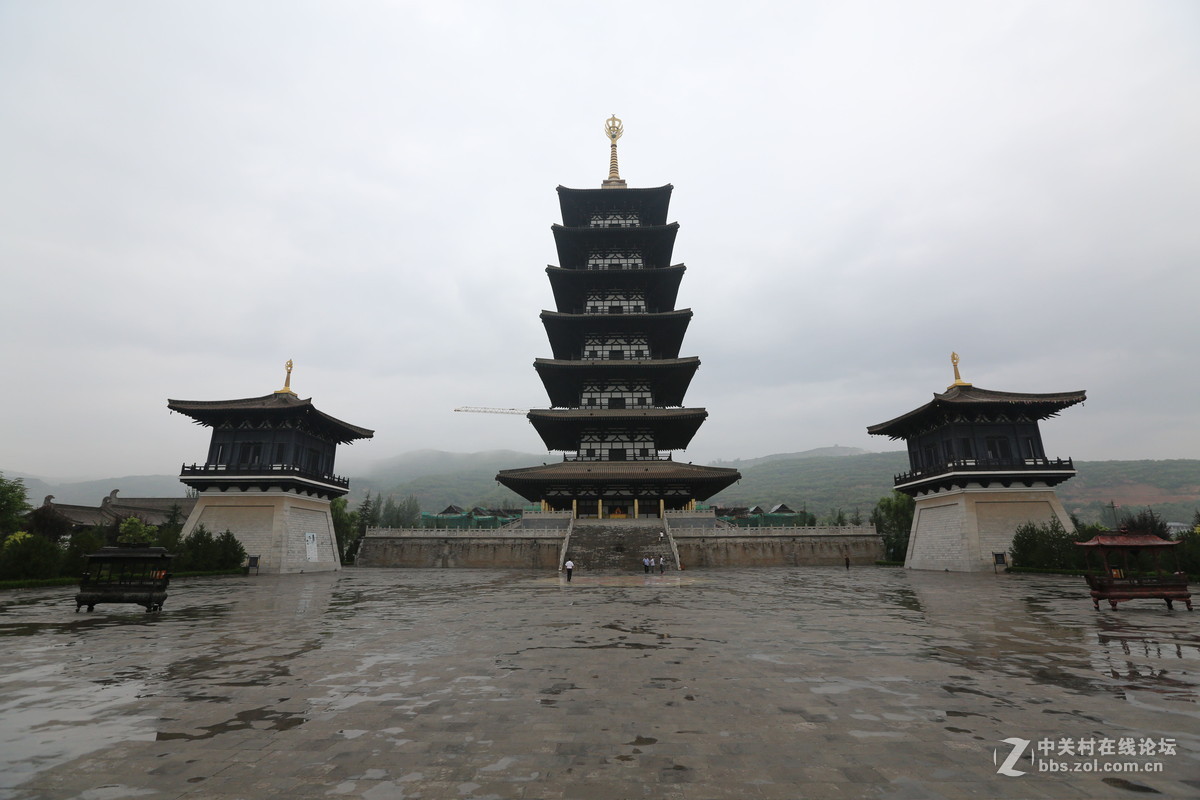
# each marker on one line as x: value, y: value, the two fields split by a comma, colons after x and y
x: 977, y: 469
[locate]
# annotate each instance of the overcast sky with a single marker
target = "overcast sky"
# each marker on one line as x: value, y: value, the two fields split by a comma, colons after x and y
x: 192, y: 193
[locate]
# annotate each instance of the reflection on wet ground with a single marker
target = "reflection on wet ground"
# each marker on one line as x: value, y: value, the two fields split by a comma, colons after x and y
x: 712, y: 683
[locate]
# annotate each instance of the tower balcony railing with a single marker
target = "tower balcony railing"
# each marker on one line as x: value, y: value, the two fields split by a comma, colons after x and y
x: 987, y: 465
x: 658, y: 457
x: 260, y: 471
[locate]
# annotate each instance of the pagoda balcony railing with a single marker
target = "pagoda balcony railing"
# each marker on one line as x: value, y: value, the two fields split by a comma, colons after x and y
x: 659, y: 457
x: 987, y: 465
x: 603, y: 312
x: 262, y: 470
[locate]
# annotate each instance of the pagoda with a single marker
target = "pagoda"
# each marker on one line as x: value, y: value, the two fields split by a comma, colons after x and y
x: 616, y: 380
x: 978, y: 470
x: 269, y: 477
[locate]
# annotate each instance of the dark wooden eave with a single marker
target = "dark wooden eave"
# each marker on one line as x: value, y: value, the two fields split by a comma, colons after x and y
x: 275, y: 406
x: 655, y: 243
x: 978, y: 403
x: 577, y: 205
x: 664, y: 330
x: 564, y: 380
x: 702, y: 482
x: 673, y: 428
x: 660, y: 286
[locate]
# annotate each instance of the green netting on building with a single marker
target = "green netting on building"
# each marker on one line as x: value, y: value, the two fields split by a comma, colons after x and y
x: 465, y: 521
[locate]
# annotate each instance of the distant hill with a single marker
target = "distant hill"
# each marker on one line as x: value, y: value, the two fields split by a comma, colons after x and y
x: 90, y: 493
x: 820, y: 484
x: 820, y: 481
x: 422, y: 463
x: 439, y: 479
x: 1171, y: 488
x: 819, y: 452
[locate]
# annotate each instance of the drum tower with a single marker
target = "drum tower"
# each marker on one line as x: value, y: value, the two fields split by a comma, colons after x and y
x: 269, y: 477
x: 978, y: 470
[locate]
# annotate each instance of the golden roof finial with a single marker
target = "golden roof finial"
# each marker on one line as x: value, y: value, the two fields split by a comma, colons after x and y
x: 287, y: 383
x: 958, y: 381
x: 613, y: 129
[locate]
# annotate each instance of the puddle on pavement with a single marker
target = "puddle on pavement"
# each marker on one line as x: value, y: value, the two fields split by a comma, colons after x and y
x: 262, y: 719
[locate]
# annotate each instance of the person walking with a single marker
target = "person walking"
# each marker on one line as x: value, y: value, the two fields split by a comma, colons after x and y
x: 661, y: 567
x: 569, y: 566
x: 646, y: 564
x: 847, y: 562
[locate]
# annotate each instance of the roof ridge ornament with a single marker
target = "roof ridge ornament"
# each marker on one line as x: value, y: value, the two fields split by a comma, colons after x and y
x: 958, y: 381
x: 613, y: 129
x: 287, y: 383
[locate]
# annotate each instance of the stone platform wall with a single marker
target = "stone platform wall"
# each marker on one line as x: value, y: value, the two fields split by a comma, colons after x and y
x: 960, y: 529
x: 289, y: 533
x: 698, y: 547
x: 527, y: 549
x: 777, y: 547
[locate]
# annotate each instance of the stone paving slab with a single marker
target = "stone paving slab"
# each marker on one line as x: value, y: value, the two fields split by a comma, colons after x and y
x: 752, y: 684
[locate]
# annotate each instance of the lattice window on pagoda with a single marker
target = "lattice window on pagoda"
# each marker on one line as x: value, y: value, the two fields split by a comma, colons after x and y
x: 614, y: 219
x: 615, y: 260
x: 621, y: 395
x: 617, y: 347
x: 998, y: 448
x: 616, y: 446
x: 615, y: 303
x: 250, y: 453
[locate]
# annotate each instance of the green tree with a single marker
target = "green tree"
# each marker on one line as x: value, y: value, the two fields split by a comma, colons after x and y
x: 13, y: 505
x: 1048, y: 545
x: 46, y: 522
x: 228, y: 552
x: 81, y: 544
x: 198, y: 551
x: 892, y: 518
x: 1188, y: 551
x: 408, y: 513
x: 836, y: 517
x: 170, y: 531
x: 135, y: 530
x: 367, y: 510
x: 346, y: 529
x: 1146, y: 522
x: 25, y: 556
x: 389, y: 517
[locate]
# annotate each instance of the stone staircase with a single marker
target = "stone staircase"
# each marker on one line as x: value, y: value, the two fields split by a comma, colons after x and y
x: 617, y: 545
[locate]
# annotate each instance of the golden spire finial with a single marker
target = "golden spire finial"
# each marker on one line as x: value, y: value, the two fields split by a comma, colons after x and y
x: 613, y: 129
x: 287, y: 383
x: 958, y: 381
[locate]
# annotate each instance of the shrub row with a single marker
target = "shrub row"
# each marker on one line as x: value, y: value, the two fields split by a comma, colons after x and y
x: 26, y: 556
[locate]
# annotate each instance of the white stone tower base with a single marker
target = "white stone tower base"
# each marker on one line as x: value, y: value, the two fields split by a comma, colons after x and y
x: 289, y: 532
x: 960, y: 529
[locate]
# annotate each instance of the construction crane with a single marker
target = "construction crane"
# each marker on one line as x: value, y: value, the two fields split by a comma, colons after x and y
x: 483, y: 410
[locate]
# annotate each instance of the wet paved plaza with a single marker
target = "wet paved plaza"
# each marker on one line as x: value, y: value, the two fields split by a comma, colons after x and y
x: 767, y: 683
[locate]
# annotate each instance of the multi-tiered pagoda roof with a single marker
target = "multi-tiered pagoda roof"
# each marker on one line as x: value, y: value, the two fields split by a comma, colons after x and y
x: 616, y: 381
